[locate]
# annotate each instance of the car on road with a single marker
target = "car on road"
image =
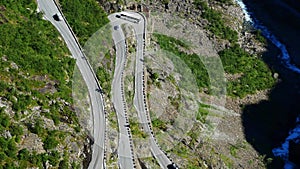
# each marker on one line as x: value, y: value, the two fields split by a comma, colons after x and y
x: 58, y: 17
x: 116, y: 27
x: 172, y: 166
x: 99, y: 90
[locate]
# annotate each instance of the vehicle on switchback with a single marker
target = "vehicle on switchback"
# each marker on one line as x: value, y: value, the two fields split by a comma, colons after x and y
x: 58, y: 17
x: 116, y: 27
x: 172, y: 166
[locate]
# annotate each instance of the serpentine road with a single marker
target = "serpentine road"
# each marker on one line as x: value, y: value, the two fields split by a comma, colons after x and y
x: 138, y: 22
x: 49, y: 9
x: 125, y: 151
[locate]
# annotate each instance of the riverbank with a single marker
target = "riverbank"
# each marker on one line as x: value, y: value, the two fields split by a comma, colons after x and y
x: 282, y: 20
x: 268, y: 123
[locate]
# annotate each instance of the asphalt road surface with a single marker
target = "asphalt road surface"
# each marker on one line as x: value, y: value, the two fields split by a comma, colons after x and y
x: 50, y: 9
x: 139, y: 97
x: 125, y: 152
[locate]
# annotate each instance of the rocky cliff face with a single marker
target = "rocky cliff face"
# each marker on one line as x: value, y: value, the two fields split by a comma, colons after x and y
x: 232, y: 15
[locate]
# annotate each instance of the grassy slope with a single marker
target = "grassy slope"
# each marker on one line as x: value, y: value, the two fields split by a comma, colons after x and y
x: 34, y: 45
x: 84, y: 16
x: 255, y: 73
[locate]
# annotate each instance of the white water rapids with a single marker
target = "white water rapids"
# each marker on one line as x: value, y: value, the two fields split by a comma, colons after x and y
x: 294, y: 135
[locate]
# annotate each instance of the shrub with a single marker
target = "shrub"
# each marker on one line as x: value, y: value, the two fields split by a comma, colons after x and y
x: 23, y: 154
x: 16, y: 130
x: 104, y: 79
x: 216, y: 23
x: 255, y: 73
x: 53, y: 158
x: 11, y: 150
x: 159, y: 124
x: 4, y: 120
x: 37, y: 128
x: 50, y: 142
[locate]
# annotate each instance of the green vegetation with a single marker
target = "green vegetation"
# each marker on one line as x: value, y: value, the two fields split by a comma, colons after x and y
x: 171, y: 78
x: 112, y: 160
x: 260, y: 37
x: 201, y: 114
x: 175, y: 101
x: 159, y: 124
x: 224, y: 1
x: 154, y: 79
x: 104, y: 71
x: 4, y: 120
x: 35, y: 74
x: 113, y: 120
x: 135, y: 129
x: 9, y: 151
x: 53, y: 158
x: 204, y: 105
x: 36, y: 52
x: 182, y: 151
x: 63, y: 164
x: 50, y: 138
x: 37, y: 128
x: 131, y: 49
x: 228, y: 161
x: 193, y: 61
x: 84, y: 16
x: 50, y: 142
x: 165, y: 1
x: 239, y: 146
x: 129, y: 93
x: 154, y: 76
x: 255, y: 73
x: 216, y: 23
x: 105, y: 79
x: 194, y: 134
x: 17, y: 131
x: 233, y: 151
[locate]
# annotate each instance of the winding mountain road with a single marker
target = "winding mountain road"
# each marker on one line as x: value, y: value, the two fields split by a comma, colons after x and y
x: 138, y: 22
x: 50, y: 9
x: 125, y: 149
